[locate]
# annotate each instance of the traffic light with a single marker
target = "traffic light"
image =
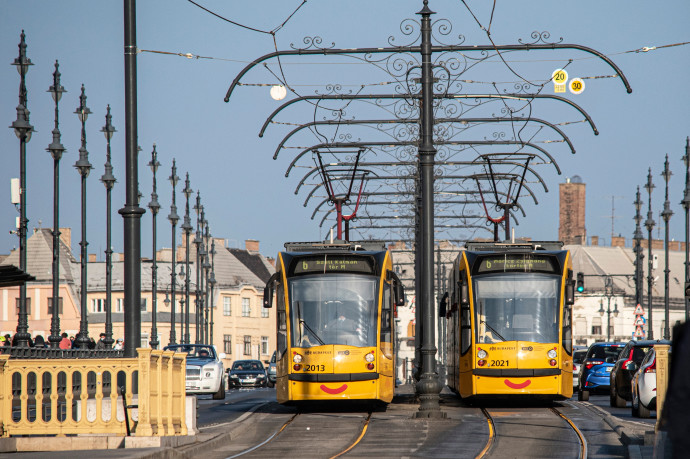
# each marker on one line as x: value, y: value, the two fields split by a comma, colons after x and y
x: 580, y: 286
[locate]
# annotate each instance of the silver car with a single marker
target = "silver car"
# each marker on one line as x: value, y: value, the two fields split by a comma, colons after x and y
x: 578, y: 358
x: 272, y: 371
x: 205, y: 372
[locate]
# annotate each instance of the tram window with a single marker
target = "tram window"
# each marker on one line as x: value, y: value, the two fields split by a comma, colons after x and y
x: 567, y: 329
x: 386, y: 309
x: 281, y: 317
x: 465, y: 317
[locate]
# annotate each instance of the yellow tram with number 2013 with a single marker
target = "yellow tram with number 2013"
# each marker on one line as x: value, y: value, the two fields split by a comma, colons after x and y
x: 509, y: 321
x: 335, y: 305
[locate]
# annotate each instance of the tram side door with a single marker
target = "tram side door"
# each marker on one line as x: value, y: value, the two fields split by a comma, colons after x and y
x: 465, y: 357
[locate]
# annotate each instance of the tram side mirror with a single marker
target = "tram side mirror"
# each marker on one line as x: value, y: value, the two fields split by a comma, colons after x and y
x: 464, y: 292
x: 399, y: 294
x: 268, y: 291
x: 570, y: 292
x: 443, y: 306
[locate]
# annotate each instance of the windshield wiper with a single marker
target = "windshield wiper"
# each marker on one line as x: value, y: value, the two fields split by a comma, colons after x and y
x: 493, y: 330
x: 306, y: 325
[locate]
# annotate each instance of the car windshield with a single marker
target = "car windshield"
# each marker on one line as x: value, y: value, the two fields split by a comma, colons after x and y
x: 246, y: 366
x: 520, y: 307
x: 604, y: 352
x: 579, y: 356
x: 194, y: 352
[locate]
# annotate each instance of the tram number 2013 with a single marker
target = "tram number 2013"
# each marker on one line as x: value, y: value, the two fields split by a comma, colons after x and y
x: 498, y: 363
x: 314, y: 368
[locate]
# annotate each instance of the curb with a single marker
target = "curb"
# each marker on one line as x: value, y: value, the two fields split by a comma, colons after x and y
x: 627, y: 435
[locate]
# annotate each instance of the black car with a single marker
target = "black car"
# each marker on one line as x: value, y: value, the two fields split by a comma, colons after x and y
x: 247, y: 373
x: 629, y: 359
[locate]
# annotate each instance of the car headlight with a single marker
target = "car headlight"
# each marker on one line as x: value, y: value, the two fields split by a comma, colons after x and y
x: 260, y: 376
x: 233, y: 376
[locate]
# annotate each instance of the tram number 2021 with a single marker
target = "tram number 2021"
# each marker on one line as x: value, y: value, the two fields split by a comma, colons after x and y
x: 498, y: 363
x: 314, y: 368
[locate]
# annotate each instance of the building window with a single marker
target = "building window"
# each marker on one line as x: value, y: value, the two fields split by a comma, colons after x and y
x: 120, y: 305
x: 264, y: 313
x: 264, y: 345
x: 246, y: 309
x: 596, y: 329
x: 247, y: 345
x: 50, y: 306
x: 28, y: 306
x: 227, y: 306
x: 227, y: 344
x: 98, y: 305
x: 143, y: 304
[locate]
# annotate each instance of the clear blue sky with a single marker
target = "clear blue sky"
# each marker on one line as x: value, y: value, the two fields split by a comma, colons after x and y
x: 245, y: 192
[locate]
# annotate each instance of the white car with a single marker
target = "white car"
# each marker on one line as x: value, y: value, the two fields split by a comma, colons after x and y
x: 578, y: 358
x: 205, y: 372
x: 644, y: 387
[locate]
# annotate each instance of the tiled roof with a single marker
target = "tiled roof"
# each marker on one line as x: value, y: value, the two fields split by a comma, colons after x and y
x: 255, y: 262
x: 39, y: 258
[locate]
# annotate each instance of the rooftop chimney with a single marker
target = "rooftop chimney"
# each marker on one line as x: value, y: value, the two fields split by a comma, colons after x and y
x: 251, y: 245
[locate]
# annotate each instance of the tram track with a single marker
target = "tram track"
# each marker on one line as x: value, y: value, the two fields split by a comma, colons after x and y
x: 491, y: 448
x: 283, y: 437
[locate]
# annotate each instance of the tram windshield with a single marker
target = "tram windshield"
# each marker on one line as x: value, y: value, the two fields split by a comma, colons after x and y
x: 333, y: 309
x: 516, y: 307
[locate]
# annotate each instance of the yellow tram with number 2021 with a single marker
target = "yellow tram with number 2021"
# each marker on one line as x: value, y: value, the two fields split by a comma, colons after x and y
x: 335, y: 307
x: 509, y: 315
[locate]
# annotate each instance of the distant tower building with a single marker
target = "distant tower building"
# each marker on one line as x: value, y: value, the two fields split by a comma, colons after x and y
x: 571, y: 213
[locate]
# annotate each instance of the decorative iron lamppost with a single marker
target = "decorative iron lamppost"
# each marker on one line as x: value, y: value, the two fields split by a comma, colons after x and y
x: 173, y: 218
x: 205, y: 291
x: 212, y: 284
x: 84, y: 167
x: 182, y: 277
x: 649, y: 224
x: 155, y: 207
x: 56, y: 150
x: 187, y: 227
x: 23, y: 130
x: 608, y: 292
x: 197, y: 242
x: 639, y: 255
x: 686, y: 205
x: 109, y: 181
x: 666, y: 215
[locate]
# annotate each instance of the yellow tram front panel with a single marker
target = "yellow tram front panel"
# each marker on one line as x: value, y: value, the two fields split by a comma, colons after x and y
x: 335, y: 372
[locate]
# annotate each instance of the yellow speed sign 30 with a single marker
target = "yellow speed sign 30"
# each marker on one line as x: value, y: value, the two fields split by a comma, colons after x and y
x: 577, y: 85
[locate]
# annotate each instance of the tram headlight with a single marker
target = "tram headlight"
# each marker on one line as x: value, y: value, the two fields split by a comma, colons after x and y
x: 369, y: 357
x: 481, y: 353
x: 552, y: 354
x: 297, y: 358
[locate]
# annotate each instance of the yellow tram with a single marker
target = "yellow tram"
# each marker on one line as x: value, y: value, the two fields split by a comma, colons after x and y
x: 509, y: 321
x: 335, y: 307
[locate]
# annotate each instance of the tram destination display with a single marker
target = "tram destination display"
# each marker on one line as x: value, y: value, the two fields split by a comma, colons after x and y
x: 333, y: 264
x: 516, y: 263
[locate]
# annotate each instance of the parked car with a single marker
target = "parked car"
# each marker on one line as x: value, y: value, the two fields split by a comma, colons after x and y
x: 578, y: 358
x: 628, y: 362
x: 272, y: 371
x: 644, y: 387
x: 205, y: 372
x: 594, y: 372
x: 247, y: 373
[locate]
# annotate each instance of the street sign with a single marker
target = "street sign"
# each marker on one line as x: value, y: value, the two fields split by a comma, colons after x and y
x: 639, y: 311
x: 639, y: 332
x: 576, y: 85
x: 560, y: 78
x: 640, y: 320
